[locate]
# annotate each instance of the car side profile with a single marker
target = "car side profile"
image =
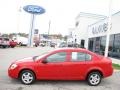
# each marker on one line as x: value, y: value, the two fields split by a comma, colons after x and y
x: 62, y: 64
x: 6, y: 42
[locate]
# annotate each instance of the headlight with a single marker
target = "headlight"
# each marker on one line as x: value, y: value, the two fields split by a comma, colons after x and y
x: 13, y: 66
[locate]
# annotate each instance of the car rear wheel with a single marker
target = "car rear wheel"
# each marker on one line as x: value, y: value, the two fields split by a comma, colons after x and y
x: 27, y: 77
x: 20, y: 43
x: 94, y: 78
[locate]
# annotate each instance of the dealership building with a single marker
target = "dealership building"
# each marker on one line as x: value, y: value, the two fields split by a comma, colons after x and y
x: 90, y: 32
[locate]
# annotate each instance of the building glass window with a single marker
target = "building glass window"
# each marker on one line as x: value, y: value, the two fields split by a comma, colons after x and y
x: 82, y: 43
x: 111, y: 45
x: 97, y: 45
x: 102, y: 45
x: 114, y: 48
x: 91, y: 44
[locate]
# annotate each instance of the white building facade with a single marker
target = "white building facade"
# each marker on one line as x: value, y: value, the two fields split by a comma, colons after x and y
x: 94, y: 34
x: 79, y: 34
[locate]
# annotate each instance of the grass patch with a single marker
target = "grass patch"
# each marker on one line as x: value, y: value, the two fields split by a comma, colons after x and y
x: 116, y: 66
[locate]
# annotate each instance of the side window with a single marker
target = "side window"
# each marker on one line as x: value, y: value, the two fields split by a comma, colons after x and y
x: 57, y: 57
x: 88, y: 57
x: 79, y: 56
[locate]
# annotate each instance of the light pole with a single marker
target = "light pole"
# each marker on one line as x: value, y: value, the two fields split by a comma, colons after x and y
x: 48, y: 32
x: 108, y: 30
x: 49, y: 27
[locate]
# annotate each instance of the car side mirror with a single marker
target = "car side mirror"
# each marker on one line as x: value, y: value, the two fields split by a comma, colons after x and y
x: 44, y: 61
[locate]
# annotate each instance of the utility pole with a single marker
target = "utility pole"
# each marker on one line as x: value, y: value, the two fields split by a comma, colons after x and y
x: 49, y: 27
x: 48, y: 32
x: 108, y: 30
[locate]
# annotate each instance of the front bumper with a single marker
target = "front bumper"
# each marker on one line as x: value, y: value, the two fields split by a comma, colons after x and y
x: 13, y: 73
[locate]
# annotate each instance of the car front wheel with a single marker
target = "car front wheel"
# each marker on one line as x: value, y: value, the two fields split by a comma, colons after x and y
x: 27, y: 77
x: 94, y: 78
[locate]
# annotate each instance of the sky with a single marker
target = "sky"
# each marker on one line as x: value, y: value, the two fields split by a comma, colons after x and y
x: 61, y: 13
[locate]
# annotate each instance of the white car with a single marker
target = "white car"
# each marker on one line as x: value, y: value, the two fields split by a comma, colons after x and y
x: 4, y: 42
x: 22, y: 41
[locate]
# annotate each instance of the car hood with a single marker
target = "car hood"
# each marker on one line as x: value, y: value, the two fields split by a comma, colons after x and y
x: 28, y: 59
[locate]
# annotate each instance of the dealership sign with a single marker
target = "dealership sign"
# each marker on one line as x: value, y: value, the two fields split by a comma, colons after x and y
x: 36, y: 31
x: 34, y: 9
x: 100, y: 29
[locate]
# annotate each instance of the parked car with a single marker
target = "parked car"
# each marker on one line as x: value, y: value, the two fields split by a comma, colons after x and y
x: 4, y: 42
x: 52, y: 44
x: 42, y: 44
x: 115, y: 54
x: 62, y: 64
x: 13, y: 43
x: 69, y: 44
x: 63, y: 44
x: 22, y: 41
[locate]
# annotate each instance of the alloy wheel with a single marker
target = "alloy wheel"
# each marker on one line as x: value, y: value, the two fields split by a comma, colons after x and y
x: 94, y: 78
x: 27, y: 77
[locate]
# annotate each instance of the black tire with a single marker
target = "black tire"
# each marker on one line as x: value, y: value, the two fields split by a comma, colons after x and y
x: 12, y: 46
x: 20, y: 44
x: 4, y: 46
x: 94, y: 78
x: 36, y: 45
x: 31, y: 75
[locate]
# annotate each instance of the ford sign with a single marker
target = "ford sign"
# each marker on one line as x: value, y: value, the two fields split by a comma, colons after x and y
x: 34, y: 9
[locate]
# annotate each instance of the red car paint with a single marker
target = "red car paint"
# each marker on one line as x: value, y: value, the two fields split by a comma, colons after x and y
x: 67, y: 70
x: 12, y: 43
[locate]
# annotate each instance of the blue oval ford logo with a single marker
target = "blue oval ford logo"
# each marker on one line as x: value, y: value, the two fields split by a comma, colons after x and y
x: 34, y: 9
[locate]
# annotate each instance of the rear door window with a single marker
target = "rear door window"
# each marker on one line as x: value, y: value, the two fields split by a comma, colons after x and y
x: 80, y: 56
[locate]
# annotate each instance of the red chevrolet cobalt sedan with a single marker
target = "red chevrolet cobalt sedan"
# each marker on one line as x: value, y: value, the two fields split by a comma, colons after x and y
x: 62, y: 64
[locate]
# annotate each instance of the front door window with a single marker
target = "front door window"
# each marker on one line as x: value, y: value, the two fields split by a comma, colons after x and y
x: 57, y: 57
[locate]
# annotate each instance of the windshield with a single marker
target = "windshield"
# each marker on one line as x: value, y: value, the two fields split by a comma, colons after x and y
x: 40, y: 56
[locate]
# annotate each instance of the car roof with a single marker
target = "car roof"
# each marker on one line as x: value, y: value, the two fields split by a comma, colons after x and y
x: 74, y: 50
x: 4, y: 37
x: 70, y: 49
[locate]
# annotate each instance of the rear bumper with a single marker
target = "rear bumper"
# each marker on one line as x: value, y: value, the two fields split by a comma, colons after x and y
x: 108, y: 72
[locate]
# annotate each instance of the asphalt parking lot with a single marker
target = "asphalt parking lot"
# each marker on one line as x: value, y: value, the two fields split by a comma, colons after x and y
x: 11, y: 54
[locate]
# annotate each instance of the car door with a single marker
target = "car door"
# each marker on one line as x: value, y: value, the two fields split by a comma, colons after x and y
x: 53, y: 69
x: 77, y: 65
